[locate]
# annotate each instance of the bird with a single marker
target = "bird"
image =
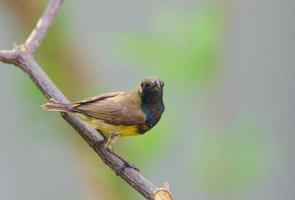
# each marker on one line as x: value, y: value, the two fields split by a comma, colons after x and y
x: 119, y: 114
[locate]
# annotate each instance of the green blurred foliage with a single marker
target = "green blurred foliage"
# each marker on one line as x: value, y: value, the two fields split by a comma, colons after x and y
x: 234, y: 160
x: 184, y: 45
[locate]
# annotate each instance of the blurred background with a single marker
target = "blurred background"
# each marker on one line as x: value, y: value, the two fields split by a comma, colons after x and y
x: 228, y: 129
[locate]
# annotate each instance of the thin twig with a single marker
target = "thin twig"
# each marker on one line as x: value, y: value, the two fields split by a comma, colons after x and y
x: 21, y: 56
x: 43, y: 24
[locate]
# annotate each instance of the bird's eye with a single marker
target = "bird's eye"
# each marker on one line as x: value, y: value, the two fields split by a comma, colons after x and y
x: 162, y: 83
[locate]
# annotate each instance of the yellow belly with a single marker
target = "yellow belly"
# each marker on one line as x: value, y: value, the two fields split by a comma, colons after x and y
x: 108, y: 129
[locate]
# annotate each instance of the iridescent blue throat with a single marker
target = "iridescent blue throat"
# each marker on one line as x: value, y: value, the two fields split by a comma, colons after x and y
x: 153, y: 107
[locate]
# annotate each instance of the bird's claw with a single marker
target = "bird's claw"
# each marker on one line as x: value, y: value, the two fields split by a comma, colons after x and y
x: 125, y: 165
x: 98, y: 144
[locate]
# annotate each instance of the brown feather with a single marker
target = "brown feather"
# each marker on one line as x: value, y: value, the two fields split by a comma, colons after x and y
x: 53, y: 106
x: 113, y: 108
x: 97, y: 98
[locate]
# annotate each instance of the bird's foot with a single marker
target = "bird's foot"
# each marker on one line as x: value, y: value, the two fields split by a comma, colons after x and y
x: 98, y: 144
x: 125, y: 165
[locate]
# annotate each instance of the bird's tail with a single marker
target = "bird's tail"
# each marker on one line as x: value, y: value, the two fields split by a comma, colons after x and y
x: 60, y: 107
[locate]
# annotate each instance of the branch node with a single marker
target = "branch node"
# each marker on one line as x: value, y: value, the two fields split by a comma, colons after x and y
x: 23, y: 48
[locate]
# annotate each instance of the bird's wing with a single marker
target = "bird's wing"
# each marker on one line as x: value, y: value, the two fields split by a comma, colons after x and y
x: 97, y: 98
x: 114, y: 108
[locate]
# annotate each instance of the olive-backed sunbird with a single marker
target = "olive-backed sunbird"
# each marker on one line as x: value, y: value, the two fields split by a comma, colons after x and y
x: 120, y: 113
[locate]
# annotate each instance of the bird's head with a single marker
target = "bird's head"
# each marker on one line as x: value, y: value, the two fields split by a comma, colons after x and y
x: 151, y: 86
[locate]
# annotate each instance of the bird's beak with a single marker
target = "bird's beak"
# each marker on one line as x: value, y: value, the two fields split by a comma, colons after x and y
x: 156, y: 83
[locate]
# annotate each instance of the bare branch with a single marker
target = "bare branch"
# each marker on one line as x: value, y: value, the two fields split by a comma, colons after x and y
x: 42, y: 26
x: 7, y: 56
x: 21, y: 56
